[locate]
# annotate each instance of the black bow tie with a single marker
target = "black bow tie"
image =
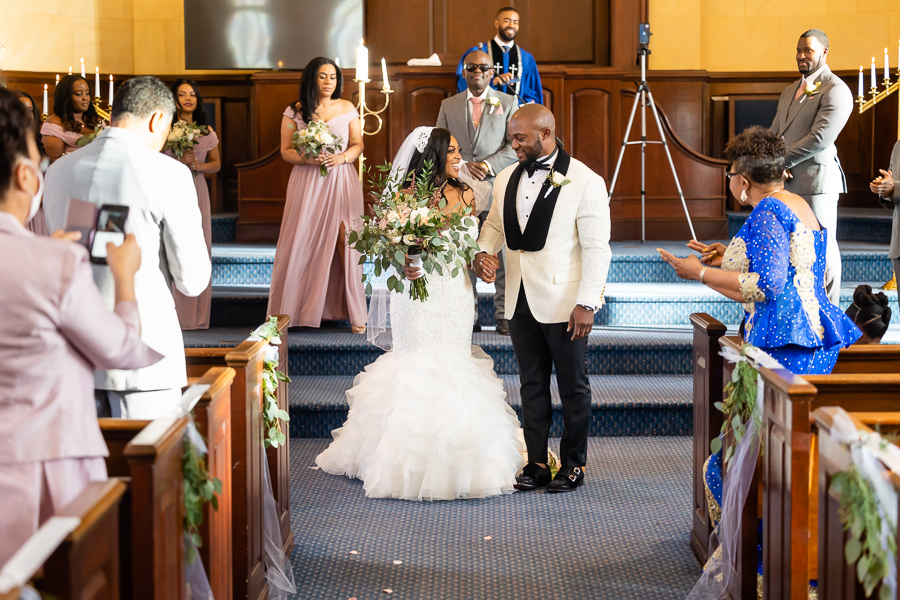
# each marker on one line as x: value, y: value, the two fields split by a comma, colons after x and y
x: 535, y: 165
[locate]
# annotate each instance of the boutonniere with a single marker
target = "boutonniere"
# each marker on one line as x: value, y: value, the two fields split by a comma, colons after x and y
x: 811, y: 90
x: 495, y: 105
x: 557, y: 180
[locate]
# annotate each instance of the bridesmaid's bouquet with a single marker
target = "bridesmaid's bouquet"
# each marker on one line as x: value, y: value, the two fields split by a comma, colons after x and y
x: 412, y: 221
x: 184, y: 136
x: 316, y: 137
x: 90, y: 137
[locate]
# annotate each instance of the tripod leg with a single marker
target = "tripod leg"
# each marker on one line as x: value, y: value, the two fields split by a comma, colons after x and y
x: 612, y: 186
x: 665, y: 144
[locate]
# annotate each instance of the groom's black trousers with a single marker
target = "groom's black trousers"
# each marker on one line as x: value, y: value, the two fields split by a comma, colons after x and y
x: 538, y: 347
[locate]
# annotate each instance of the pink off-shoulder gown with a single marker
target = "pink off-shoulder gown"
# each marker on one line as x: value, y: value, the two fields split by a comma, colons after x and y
x: 38, y: 225
x: 193, y: 313
x: 309, y: 281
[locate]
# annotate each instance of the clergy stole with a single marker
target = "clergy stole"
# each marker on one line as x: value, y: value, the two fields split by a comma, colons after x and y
x: 506, y: 62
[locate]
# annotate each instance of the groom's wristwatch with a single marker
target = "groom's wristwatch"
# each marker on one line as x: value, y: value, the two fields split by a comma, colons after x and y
x: 588, y: 307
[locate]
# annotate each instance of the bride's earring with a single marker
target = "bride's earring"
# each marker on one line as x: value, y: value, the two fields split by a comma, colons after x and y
x: 744, y: 197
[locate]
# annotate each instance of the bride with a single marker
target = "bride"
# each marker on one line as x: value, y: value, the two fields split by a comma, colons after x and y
x: 429, y: 419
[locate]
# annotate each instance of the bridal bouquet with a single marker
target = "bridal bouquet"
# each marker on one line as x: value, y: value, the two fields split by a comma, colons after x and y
x: 311, y: 141
x: 184, y: 136
x: 412, y: 221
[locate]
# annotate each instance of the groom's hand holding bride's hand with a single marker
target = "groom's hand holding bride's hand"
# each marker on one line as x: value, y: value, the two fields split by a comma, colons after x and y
x: 485, y: 266
x: 581, y: 321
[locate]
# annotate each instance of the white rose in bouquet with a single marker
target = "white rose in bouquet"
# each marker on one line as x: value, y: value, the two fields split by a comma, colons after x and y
x: 395, y: 237
x: 392, y: 216
x: 325, y: 138
x: 409, y: 239
x: 420, y: 215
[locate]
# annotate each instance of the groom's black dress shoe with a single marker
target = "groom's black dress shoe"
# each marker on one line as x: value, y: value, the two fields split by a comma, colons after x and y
x: 567, y: 480
x: 502, y: 326
x: 532, y: 478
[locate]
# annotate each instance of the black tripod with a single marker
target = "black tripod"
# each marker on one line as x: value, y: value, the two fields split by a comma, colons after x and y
x: 645, y: 97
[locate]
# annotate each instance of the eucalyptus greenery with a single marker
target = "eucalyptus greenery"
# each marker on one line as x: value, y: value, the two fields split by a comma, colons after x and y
x: 199, y: 488
x: 272, y: 414
x: 861, y: 515
x: 739, y: 405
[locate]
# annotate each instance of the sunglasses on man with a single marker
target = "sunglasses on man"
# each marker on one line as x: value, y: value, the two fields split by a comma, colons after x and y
x: 471, y: 68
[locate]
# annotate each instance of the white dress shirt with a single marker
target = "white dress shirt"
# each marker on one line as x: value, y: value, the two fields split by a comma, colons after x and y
x: 530, y: 189
x: 502, y: 44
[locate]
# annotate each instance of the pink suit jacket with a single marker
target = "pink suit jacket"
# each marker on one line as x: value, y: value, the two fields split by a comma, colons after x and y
x: 55, y: 329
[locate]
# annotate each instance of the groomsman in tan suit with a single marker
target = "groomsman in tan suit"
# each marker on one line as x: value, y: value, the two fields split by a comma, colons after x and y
x: 479, y: 120
x: 811, y: 114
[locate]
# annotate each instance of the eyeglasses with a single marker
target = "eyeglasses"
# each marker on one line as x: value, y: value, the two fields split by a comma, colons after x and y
x: 729, y: 175
x: 471, y: 68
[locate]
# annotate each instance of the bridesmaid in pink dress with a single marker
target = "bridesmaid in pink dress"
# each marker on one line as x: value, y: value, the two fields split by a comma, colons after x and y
x: 193, y: 313
x: 38, y: 224
x: 316, y: 276
x: 73, y: 116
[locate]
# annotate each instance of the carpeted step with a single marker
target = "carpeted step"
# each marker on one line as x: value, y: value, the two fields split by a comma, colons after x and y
x: 627, y: 304
x: 871, y: 225
x: 632, y: 262
x: 622, y: 405
x: 224, y: 228
x: 661, y: 351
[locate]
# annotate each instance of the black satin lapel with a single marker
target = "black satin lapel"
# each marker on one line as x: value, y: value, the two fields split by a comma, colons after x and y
x: 511, y: 229
x: 535, y: 235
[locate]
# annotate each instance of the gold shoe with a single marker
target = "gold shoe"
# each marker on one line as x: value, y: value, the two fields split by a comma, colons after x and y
x: 358, y: 328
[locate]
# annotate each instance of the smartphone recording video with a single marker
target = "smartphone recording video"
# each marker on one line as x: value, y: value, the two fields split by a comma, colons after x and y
x: 110, y: 228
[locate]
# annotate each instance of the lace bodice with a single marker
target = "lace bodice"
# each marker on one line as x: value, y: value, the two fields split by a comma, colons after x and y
x: 444, y: 320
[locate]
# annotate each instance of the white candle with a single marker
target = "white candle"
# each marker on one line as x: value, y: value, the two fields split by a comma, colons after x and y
x: 45, y: 98
x: 874, y: 83
x: 97, y: 81
x: 337, y: 61
x: 387, y: 86
x: 110, y: 91
x: 887, y: 66
x: 82, y: 67
x: 362, y: 62
x: 57, y: 80
x: 70, y: 70
x: 860, y: 92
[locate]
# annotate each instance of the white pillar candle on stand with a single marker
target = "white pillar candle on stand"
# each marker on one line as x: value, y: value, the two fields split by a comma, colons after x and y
x: 82, y: 67
x: 45, y: 99
x: 70, y: 70
x: 860, y: 93
x: 874, y: 83
x: 362, y: 62
x: 386, y: 86
x: 57, y: 80
x: 337, y: 61
x: 97, y: 81
x: 110, y: 92
x: 887, y: 66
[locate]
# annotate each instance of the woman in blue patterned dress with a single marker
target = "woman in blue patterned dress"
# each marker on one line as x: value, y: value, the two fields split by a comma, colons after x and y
x: 775, y: 265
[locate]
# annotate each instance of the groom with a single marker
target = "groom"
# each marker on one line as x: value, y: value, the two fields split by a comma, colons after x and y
x: 552, y: 213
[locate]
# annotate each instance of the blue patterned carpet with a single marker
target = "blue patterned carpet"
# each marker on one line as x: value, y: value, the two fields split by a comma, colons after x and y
x: 624, y: 535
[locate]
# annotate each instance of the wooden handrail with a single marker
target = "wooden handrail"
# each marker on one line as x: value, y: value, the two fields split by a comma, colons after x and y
x: 259, y: 162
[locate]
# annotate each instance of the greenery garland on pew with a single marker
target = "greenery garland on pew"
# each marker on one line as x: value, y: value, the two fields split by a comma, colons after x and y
x: 199, y: 488
x: 861, y: 515
x: 272, y: 415
x: 739, y: 405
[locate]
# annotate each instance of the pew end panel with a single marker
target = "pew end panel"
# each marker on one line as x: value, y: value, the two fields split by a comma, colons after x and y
x: 868, y: 358
x: 213, y: 417
x: 707, y: 377
x: 837, y: 579
x: 157, y: 510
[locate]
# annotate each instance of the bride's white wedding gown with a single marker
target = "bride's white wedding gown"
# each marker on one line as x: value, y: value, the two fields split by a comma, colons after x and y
x: 429, y: 420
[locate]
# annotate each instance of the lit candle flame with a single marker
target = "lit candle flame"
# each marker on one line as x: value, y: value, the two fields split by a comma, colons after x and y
x: 45, y: 87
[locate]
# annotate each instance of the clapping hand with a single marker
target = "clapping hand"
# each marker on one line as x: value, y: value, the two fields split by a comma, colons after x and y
x: 477, y: 171
x: 710, y: 255
x: 686, y: 268
x: 884, y: 184
x: 485, y: 266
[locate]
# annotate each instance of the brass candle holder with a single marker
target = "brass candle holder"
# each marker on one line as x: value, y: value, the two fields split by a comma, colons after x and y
x: 365, y: 111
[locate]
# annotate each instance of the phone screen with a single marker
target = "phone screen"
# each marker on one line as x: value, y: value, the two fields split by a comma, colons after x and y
x: 110, y: 228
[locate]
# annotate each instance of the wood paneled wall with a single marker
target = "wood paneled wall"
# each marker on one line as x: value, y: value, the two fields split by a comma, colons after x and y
x: 570, y: 32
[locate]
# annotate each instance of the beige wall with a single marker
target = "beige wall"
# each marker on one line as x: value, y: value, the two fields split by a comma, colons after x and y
x: 119, y: 36
x: 761, y: 35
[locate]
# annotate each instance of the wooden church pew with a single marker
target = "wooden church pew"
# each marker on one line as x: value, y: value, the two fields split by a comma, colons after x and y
x: 247, y: 456
x: 786, y: 475
x: 837, y: 580
x: 85, y: 562
x: 150, y: 454
x: 711, y: 372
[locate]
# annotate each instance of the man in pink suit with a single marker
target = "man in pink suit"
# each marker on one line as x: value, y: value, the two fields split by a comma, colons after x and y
x: 55, y: 329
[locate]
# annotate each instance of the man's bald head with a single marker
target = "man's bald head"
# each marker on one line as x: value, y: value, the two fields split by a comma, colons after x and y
x: 478, y: 79
x: 533, y: 132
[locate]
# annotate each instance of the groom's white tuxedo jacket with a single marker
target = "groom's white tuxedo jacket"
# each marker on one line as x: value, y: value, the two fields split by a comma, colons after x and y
x: 563, y: 255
